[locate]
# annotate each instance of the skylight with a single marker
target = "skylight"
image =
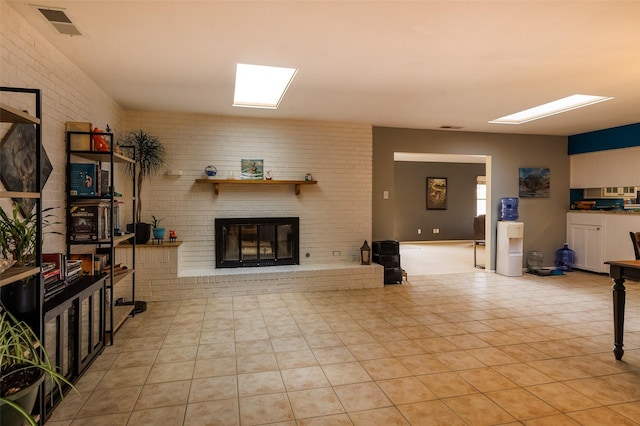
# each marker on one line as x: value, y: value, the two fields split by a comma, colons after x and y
x: 259, y: 86
x: 551, y: 108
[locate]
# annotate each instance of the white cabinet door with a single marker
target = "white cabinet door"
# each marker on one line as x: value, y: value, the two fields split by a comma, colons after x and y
x: 586, y: 241
x: 617, y: 242
x: 585, y: 235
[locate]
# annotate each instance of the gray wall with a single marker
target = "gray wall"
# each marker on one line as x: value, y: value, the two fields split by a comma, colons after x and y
x: 544, y: 218
x: 454, y: 223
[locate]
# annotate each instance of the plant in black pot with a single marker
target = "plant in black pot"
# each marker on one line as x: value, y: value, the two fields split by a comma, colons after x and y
x: 24, y: 365
x: 18, y: 243
x: 149, y: 155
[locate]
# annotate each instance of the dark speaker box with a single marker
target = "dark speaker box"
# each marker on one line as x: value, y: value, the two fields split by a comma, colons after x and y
x: 386, y: 247
x: 387, y: 260
x: 392, y: 275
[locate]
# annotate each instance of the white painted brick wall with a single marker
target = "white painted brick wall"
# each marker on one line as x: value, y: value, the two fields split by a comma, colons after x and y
x: 27, y: 59
x: 335, y: 215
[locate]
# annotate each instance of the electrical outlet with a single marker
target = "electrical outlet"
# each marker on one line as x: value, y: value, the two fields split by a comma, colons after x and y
x: 436, y: 230
x: 419, y: 231
x: 336, y: 253
x: 385, y: 195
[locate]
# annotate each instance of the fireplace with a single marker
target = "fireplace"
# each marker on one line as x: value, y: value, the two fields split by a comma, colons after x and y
x: 265, y: 241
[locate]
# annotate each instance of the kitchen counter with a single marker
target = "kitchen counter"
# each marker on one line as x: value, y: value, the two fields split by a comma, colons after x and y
x: 636, y: 211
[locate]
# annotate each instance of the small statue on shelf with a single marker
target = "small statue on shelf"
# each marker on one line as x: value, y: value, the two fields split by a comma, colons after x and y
x: 172, y: 236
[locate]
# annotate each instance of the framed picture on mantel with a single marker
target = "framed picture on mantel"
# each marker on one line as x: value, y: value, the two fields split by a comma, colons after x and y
x: 436, y: 193
x: 252, y: 169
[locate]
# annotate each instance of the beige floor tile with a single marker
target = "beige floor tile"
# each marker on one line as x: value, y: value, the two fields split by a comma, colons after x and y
x: 555, y: 420
x: 251, y: 347
x: 423, y: 364
x: 118, y: 419
x: 430, y: 413
x: 179, y: 340
x: 214, y: 367
x: 523, y: 352
x: 217, y: 336
x: 492, y: 356
x: 523, y: 374
x: 521, y: 404
x: 288, y: 344
x: 406, y: 390
x: 148, y: 343
x: 171, y: 372
x: 617, y: 388
x: 323, y: 340
x: 262, y: 409
x: 216, y: 350
x: 467, y: 408
x: 436, y: 344
x: 459, y: 360
x: 562, y: 397
x: 135, y: 359
x: 389, y: 416
x: 264, y: 382
x: 256, y: 362
x: 296, y: 359
x: 346, y: 373
x: 178, y: 354
x: 120, y: 377
x: 630, y: 410
x: 445, y: 385
x: 356, y: 337
x: 213, y: 413
x: 403, y: 347
x: 304, y: 378
x: 213, y: 388
x: 362, y: 396
x: 369, y: 351
x: 386, y: 368
x: 417, y: 332
x: 90, y: 380
x: 333, y: 420
x: 601, y: 416
x: 315, y: 403
x: 110, y: 400
x: 467, y: 341
x: 163, y: 395
x: 333, y: 355
x: 486, y: 379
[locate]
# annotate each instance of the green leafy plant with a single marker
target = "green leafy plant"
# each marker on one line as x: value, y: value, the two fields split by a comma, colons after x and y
x: 23, y: 361
x: 149, y: 155
x: 18, y: 235
x: 155, y: 222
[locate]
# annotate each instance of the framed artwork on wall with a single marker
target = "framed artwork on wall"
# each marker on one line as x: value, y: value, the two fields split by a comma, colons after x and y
x: 18, y: 164
x: 534, y: 182
x: 436, y: 193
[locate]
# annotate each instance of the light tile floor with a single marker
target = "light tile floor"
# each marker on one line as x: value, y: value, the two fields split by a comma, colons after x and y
x: 460, y: 349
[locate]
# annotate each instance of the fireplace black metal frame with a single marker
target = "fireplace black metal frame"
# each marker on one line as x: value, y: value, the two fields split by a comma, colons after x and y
x: 221, y: 262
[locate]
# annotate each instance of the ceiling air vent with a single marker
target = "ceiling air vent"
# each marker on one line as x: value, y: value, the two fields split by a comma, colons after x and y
x: 60, y: 21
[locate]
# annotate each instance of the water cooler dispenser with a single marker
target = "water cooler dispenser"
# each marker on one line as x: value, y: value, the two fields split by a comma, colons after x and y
x: 509, y: 248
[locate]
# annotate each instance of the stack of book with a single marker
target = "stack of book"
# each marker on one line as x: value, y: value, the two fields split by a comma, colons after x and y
x: 53, y: 282
x: 74, y: 269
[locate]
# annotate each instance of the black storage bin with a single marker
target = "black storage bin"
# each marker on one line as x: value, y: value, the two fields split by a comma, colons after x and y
x: 386, y: 247
x: 387, y: 254
x: 392, y: 275
x: 387, y: 260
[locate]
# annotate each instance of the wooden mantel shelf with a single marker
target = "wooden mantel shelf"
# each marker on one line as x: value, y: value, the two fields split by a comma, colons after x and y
x: 217, y: 182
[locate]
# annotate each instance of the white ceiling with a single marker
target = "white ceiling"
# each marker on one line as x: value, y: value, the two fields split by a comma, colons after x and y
x: 415, y: 64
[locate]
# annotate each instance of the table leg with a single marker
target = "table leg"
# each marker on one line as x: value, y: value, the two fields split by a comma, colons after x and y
x: 618, y: 316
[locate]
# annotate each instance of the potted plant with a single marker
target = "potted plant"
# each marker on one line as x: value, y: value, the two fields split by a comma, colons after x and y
x: 149, y: 156
x: 158, y: 233
x: 18, y: 241
x: 24, y: 365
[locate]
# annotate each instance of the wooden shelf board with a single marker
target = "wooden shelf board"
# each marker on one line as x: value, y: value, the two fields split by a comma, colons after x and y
x: 119, y: 277
x: 17, y: 273
x: 9, y: 114
x: 16, y: 194
x: 217, y: 182
x: 102, y: 156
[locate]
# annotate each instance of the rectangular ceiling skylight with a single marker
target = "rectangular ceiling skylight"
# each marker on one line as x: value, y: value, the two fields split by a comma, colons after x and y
x: 551, y: 108
x: 259, y: 86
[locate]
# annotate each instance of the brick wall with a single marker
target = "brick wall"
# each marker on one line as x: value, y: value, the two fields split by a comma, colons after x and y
x: 28, y: 60
x: 335, y: 215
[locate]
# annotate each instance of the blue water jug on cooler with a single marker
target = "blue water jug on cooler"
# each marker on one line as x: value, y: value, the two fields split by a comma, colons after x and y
x: 565, y: 257
x: 508, y: 209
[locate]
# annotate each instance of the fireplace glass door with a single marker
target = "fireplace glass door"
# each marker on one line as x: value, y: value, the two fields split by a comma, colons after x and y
x: 256, y: 242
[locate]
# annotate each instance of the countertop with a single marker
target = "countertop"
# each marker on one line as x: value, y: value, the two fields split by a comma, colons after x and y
x: 634, y: 212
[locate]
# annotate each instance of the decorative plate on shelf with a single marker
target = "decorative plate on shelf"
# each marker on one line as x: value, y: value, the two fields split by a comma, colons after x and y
x: 210, y: 171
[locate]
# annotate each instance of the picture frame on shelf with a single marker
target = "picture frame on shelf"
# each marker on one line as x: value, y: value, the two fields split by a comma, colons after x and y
x: 252, y: 169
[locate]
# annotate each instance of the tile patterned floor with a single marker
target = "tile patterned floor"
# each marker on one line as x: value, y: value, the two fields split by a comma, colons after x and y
x: 460, y: 349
